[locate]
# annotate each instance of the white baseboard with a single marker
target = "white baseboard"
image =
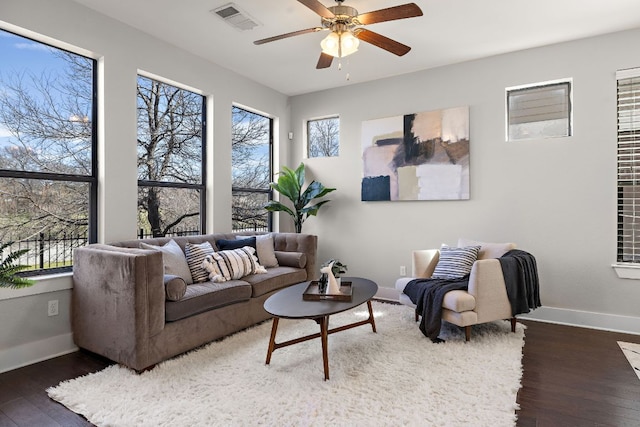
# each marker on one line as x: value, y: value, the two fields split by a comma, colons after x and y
x: 561, y: 316
x: 37, y: 351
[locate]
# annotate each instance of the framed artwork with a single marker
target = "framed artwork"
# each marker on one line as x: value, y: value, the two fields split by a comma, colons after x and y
x: 421, y: 156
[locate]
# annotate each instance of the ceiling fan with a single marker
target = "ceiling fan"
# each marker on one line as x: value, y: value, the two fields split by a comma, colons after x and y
x: 345, y: 25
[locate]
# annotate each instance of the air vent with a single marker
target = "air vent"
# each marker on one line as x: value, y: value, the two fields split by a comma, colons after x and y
x: 236, y: 17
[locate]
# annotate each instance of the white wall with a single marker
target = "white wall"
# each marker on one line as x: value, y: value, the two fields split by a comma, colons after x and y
x: 555, y: 198
x: 27, y: 334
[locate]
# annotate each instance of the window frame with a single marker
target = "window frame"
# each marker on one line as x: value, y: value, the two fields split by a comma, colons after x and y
x: 91, y: 180
x: 201, y: 187
x: 541, y: 85
x: 308, y: 135
x: 268, y: 191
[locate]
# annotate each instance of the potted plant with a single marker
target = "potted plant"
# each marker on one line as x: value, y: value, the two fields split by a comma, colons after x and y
x: 9, y: 268
x: 290, y: 184
x: 338, y: 268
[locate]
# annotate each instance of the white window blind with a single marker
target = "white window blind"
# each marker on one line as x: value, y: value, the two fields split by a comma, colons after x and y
x: 539, y: 111
x: 628, y: 165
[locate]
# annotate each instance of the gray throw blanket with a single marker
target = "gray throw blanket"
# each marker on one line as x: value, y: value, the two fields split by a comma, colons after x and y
x: 521, y: 279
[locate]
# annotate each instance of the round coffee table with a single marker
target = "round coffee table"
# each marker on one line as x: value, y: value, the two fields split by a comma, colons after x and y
x: 288, y: 304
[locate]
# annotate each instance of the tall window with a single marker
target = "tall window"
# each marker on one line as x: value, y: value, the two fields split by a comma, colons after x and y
x: 48, y: 176
x: 171, y: 160
x: 251, y: 151
x: 629, y: 165
x: 323, y: 137
x: 539, y: 111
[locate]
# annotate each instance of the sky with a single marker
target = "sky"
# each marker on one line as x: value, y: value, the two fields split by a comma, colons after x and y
x: 22, y: 55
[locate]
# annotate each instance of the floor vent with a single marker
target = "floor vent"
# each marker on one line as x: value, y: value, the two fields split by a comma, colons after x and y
x: 236, y: 17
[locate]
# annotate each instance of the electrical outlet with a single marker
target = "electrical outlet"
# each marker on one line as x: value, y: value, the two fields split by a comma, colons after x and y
x: 403, y: 270
x: 52, y: 308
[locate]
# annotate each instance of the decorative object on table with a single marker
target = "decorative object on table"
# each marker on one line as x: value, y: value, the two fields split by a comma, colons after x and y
x: 10, y: 267
x: 290, y: 185
x: 330, y: 285
x: 420, y: 156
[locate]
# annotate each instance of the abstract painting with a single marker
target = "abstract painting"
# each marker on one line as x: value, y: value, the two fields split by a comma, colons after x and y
x: 420, y: 156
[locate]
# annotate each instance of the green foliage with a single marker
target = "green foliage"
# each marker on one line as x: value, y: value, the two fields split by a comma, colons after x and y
x: 9, y: 268
x: 290, y: 184
x: 338, y: 268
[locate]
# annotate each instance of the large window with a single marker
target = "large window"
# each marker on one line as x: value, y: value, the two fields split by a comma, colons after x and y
x: 48, y: 176
x: 323, y: 137
x: 539, y: 111
x: 171, y: 160
x: 251, y: 151
x: 629, y: 165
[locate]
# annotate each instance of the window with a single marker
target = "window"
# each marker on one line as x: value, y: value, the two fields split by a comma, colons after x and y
x: 251, y: 166
x: 539, y: 111
x: 171, y: 160
x: 323, y: 137
x: 48, y: 165
x: 628, y: 165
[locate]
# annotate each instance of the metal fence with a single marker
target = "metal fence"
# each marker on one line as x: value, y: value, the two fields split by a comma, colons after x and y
x: 49, y: 252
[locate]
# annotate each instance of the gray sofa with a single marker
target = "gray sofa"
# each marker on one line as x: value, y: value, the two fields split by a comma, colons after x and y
x: 122, y: 308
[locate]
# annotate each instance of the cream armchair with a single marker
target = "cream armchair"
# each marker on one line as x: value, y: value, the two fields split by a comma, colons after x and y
x: 486, y: 299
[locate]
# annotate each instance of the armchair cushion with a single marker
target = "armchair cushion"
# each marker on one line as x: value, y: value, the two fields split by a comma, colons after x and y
x: 488, y: 250
x: 455, y: 262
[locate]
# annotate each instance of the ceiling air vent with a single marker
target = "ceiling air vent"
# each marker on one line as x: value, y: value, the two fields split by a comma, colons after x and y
x: 235, y: 17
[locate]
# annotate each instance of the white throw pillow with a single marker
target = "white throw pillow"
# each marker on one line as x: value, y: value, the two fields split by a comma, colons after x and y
x: 455, y: 262
x: 264, y: 249
x: 174, y: 260
x: 232, y: 264
x: 196, y: 252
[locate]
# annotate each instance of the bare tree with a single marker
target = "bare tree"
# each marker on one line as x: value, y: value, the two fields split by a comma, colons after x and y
x: 323, y: 137
x: 169, y: 150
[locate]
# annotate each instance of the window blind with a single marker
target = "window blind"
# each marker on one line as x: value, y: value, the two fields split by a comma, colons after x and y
x: 628, y: 111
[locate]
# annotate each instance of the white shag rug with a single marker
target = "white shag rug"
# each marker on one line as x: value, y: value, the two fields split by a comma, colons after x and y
x: 395, y: 377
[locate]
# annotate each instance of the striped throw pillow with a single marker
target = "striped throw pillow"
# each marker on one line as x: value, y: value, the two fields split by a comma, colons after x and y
x: 232, y: 264
x: 455, y: 262
x: 195, y: 253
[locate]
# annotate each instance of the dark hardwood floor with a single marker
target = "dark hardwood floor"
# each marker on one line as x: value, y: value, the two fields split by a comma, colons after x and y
x: 572, y: 377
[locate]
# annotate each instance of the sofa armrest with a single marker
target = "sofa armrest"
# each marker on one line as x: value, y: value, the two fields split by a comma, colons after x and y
x: 117, y: 301
x: 424, y: 262
x: 297, y: 242
x: 486, y: 284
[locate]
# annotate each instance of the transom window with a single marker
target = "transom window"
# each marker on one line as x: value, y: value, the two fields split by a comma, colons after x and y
x: 48, y: 164
x: 323, y: 137
x: 171, y: 160
x: 539, y: 111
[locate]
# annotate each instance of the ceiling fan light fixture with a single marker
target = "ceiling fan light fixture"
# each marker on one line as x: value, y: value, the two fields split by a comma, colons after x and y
x: 340, y: 45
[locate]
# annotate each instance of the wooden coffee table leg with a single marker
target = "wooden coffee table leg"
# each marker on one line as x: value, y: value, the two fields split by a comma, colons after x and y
x: 272, y: 340
x: 371, y: 319
x: 324, y: 326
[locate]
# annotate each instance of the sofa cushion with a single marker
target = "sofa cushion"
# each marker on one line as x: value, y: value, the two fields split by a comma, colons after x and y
x: 196, y: 252
x: 201, y: 297
x: 233, y: 264
x: 488, y: 250
x: 275, y: 278
x: 291, y: 259
x: 174, y: 260
x: 455, y: 262
x: 241, y: 241
x: 174, y: 287
x: 264, y: 250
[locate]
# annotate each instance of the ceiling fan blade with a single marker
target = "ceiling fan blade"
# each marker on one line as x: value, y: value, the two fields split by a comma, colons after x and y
x: 287, y: 35
x: 409, y: 10
x: 318, y: 8
x: 324, y: 61
x: 381, y: 41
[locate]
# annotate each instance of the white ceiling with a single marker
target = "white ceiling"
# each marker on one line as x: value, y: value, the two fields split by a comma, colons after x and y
x: 450, y: 31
